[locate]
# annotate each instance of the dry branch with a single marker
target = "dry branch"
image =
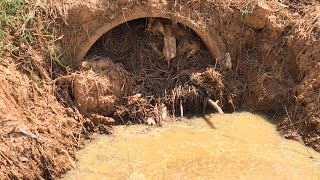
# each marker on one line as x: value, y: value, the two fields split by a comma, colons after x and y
x: 215, y: 105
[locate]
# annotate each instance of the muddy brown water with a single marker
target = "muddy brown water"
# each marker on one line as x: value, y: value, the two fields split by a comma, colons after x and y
x: 240, y: 146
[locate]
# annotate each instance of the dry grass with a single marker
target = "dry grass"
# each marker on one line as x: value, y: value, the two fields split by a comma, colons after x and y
x: 189, y: 80
x: 28, y: 34
x: 28, y: 63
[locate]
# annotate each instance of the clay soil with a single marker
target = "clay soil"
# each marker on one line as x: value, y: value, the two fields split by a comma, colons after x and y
x: 48, y: 109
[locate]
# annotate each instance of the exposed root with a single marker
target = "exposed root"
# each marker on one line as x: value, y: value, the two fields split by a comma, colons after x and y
x: 151, y: 84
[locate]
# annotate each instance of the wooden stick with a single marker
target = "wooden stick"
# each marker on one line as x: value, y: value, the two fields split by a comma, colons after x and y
x: 215, y: 105
x: 181, y: 108
x: 173, y: 111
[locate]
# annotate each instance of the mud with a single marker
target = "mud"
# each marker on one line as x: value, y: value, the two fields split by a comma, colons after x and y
x: 266, y: 53
x: 248, y: 55
x: 37, y: 138
x: 98, y: 85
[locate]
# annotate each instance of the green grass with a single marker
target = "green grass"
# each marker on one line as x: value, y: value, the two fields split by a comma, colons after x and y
x: 29, y: 23
x: 12, y: 17
x: 11, y: 11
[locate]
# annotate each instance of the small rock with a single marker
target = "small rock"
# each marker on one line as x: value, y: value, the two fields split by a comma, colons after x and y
x: 23, y: 159
x: 106, y: 129
x: 151, y: 121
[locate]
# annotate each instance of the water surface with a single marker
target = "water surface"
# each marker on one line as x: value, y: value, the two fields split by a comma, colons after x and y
x: 240, y: 146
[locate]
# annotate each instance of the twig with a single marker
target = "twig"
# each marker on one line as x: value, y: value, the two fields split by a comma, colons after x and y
x: 297, y: 133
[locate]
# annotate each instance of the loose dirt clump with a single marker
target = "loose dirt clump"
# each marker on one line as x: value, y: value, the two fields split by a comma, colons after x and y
x: 37, y: 138
x: 98, y: 85
x: 95, y: 90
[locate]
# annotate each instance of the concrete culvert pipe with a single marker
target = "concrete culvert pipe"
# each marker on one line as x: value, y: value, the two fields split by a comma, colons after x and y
x: 87, y: 22
x: 163, y: 61
x: 100, y: 34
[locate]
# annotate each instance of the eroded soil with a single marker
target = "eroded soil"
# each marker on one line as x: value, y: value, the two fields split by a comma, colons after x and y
x: 274, y: 53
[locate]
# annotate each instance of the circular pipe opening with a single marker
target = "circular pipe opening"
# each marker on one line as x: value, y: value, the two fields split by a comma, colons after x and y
x: 123, y: 39
x: 210, y: 38
x: 139, y: 47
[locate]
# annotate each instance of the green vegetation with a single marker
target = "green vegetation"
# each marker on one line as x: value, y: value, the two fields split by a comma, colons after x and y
x: 28, y: 28
x: 12, y: 17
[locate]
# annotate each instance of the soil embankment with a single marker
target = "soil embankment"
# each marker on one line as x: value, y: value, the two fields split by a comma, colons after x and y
x: 73, y: 68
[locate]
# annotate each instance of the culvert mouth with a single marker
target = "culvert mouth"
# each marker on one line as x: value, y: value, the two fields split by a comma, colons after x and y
x: 146, y: 68
x: 209, y: 36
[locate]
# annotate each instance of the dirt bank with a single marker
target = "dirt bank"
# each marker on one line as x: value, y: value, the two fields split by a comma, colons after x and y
x: 38, y: 136
x: 73, y: 68
x: 273, y: 50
